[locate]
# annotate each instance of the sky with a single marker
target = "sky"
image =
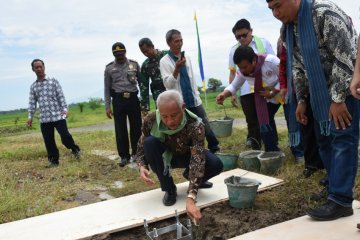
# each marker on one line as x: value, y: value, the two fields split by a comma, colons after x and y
x: 74, y: 38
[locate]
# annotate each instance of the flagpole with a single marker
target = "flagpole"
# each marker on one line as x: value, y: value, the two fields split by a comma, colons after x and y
x: 200, y: 60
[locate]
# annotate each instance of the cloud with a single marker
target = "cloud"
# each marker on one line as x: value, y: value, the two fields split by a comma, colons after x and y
x: 75, y: 37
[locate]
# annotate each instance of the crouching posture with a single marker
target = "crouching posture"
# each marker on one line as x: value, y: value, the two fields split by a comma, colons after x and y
x: 173, y: 137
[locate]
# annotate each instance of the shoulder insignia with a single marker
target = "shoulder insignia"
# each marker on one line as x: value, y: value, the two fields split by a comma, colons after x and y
x: 109, y: 63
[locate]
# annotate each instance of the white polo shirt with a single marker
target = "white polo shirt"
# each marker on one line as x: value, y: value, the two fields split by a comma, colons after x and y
x: 270, y: 76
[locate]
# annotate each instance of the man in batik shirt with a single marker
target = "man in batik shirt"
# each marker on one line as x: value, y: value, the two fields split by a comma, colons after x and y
x: 321, y: 51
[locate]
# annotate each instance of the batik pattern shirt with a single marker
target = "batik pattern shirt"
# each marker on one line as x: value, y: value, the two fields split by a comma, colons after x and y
x: 49, y: 95
x: 337, y: 40
x: 187, y: 142
x: 150, y: 69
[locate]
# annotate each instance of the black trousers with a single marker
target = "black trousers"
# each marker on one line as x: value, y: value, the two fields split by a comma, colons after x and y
x: 48, y: 133
x: 123, y: 109
x: 249, y: 108
x: 153, y: 150
x: 311, y: 147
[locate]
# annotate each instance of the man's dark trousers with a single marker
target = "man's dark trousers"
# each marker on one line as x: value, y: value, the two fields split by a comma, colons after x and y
x: 153, y: 150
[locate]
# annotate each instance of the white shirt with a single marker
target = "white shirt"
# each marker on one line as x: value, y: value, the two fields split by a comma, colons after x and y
x: 245, y: 89
x: 167, y: 67
x: 270, y: 76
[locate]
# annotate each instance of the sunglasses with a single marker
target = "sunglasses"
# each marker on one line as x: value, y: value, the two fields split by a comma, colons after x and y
x: 239, y: 36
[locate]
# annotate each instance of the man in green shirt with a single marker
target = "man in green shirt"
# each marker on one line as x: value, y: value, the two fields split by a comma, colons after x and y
x: 150, y: 69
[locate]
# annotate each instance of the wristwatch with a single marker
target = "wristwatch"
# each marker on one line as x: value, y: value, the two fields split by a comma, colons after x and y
x: 192, y: 196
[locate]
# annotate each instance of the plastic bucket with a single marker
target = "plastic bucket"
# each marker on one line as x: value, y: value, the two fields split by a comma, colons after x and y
x: 250, y: 160
x: 242, y: 191
x: 229, y: 160
x: 270, y: 162
x: 222, y: 127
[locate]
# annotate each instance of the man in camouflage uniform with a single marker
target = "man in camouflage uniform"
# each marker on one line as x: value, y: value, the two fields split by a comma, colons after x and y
x: 150, y: 69
x: 120, y: 81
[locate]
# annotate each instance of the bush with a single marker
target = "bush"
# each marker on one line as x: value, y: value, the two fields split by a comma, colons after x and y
x: 95, y: 103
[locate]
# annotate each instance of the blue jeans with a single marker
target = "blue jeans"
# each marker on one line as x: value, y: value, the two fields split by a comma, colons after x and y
x: 339, y: 152
x: 153, y: 150
x: 213, y: 143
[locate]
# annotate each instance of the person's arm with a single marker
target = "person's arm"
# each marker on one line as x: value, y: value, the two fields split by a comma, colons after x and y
x: 355, y: 83
x: 107, y: 95
x: 32, y: 106
x: 144, y: 89
x: 340, y: 37
x: 232, y: 74
x: 167, y: 68
x: 282, y: 73
x: 60, y: 97
x: 140, y: 156
x: 197, y: 170
x: 231, y: 89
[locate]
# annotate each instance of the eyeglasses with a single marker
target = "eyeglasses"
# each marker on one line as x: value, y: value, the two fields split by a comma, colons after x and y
x: 239, y: 36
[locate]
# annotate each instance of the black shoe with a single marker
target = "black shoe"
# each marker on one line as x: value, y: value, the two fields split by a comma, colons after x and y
x: 206, y: 184
x: 123, y: 162
x: 358, y: 225
x: 330, y: 211
x: 308, y: 172
x: 319, y: 195
x: 76, y: 153
x: 52, y: 164
x: 169, y: 198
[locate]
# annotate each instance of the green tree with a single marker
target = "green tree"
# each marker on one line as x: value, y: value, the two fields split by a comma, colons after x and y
x: 214, y: 83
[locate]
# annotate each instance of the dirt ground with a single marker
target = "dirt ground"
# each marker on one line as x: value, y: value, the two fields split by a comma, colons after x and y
x: 221, y: 221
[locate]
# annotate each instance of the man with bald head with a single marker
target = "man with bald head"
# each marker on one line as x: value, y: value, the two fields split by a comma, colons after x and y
x: 174, y: 137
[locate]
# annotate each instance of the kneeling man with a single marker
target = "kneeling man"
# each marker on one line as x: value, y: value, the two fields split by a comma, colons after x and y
x: 173, y: 137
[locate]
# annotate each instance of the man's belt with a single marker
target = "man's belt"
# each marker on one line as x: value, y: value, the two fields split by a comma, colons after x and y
x: 126, y: 94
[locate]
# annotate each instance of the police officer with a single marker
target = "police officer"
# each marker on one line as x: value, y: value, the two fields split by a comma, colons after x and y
x: 150, y: 69
x: 120, y: 80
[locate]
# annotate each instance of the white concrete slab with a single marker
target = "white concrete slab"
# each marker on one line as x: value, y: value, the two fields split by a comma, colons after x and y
x: 121, y: 213
x: 306, y: 228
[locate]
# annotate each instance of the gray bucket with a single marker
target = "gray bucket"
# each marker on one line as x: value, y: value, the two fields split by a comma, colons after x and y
x: 250, y: 160
x: 242, y: 191
x: 222, y: 127
x: 229, y: 160
x: 270, y: 162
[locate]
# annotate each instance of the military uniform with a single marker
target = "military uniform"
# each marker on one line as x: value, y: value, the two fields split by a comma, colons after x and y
x: 151, y: 69
x: 121, y: 88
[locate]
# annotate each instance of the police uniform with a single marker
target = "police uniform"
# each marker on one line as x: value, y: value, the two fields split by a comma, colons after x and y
x: 121, y: 89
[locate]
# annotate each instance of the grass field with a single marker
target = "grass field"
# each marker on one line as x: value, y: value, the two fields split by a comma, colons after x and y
x: 29, y: 189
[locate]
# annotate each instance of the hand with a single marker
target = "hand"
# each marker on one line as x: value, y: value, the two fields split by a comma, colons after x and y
x: 193, y: 211
x: 109, y: 113
x: 220, y: 98
x: 29, y: 123
x: 283, y: 93
x: 144, y: 113
x: 339, y: 113
x: 300, y: 113
x: 354, y: 86
x: 179, y: 63
x: 65, y: 114
x: 234, y: 101
x: 145, y: 176
x: 267, y: 94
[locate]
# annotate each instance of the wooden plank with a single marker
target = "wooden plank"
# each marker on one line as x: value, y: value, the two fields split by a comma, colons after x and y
x: 305, y: 228
x: 121, y: 213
